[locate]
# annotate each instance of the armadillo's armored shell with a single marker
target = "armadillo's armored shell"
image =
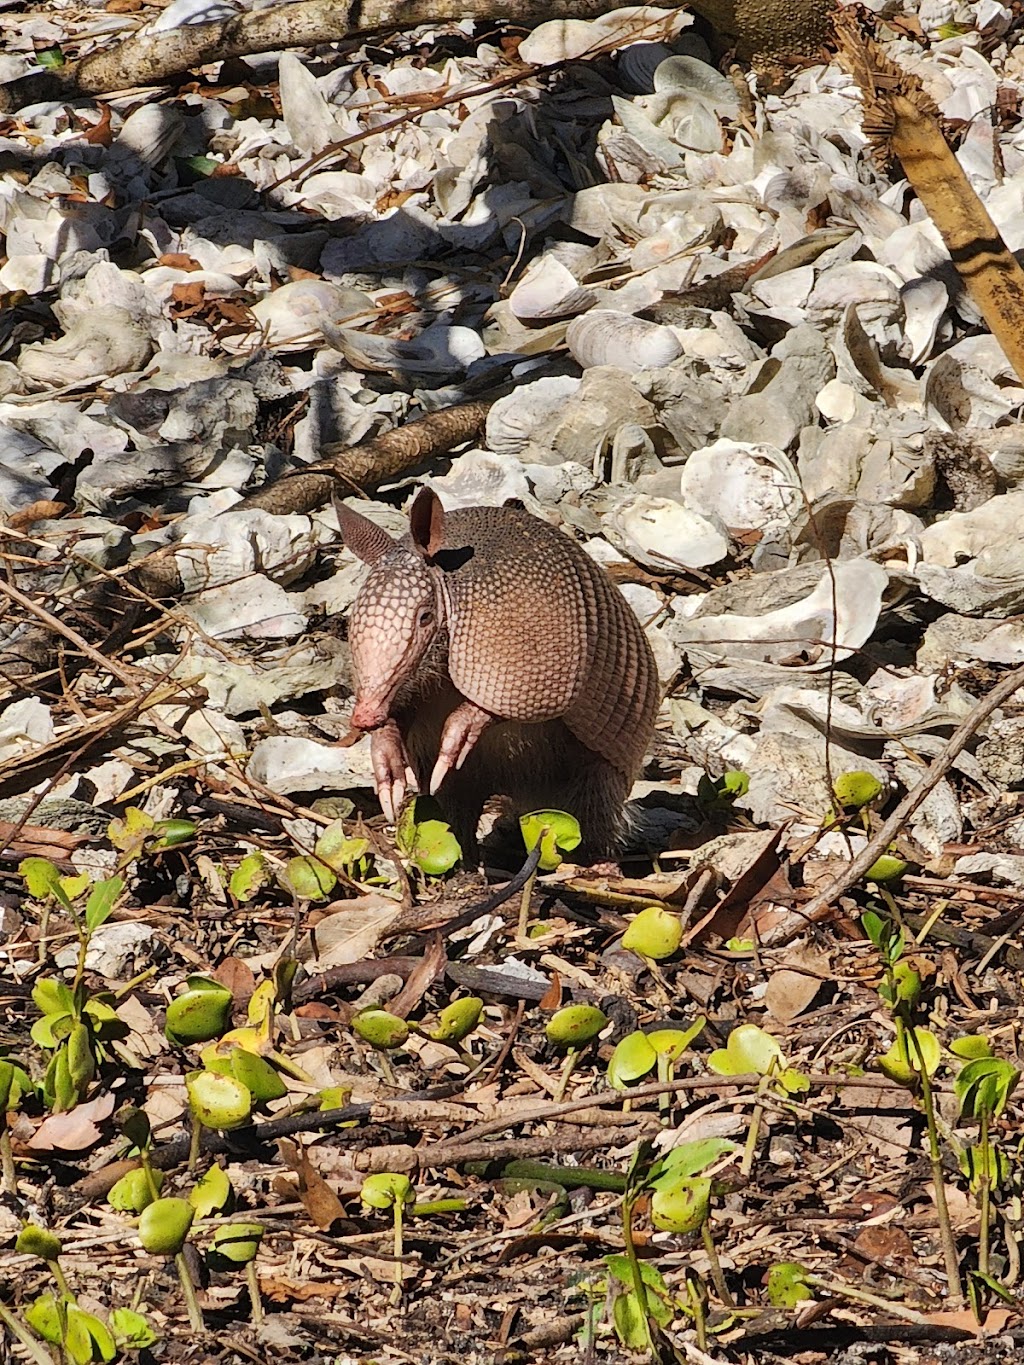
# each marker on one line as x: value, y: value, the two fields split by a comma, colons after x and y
x: 538, y: 631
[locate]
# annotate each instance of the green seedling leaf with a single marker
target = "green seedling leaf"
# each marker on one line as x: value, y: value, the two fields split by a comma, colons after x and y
x: 988, y: 1163
x: 88, y: 1337
x: 43, y: 1316
x: 308, y: 879
x: 164, y: 1226
x: 211, y: 1193
x: 425, y: 839
x: 740, y: 945
x: 101, y: 902
x: 788, y: 1285
x: 58, y: 1088
x: 887, y: 868
x: 218, y: 1101
x: 689, y: 1159
x: 50, y: 58
x: 171, y: 834
x: 238, y: 1243
x: 719, y: 794
x: 855, y: 790
x: 681, y: 1206
x: 130, y: 834
x: 630, y: 1324
x: 81, y: 1062
x: 53, y: 999
x: 904, y: 1067
x: 134, y: 1124
x: 131, y: 1330
x: 556, y: 831
x: 457, y: 1020
x: 793, y: 1082
x: 885, y: 935
x: 906, y: 985
x: 262, y: 1081
x: 36, y: 1241
x: 673, y: 1042
x: 201, y: 166
x: 42, y: 880
x: 386, y: 1189
x: 260, y: 1009
x: 748, y: 1049
x: 132, y: 1193
x: 971, y: 1047
x: 380, y: 1029
x: 201, y: 1013
x: 15, y: 1083
x: 575, y: 1025
x: 334, y: 1097
x: 655, y: 933
x: 251, y: 875
x: 984, y: 1086
x: 341, y: 853
x: 633, y: 1058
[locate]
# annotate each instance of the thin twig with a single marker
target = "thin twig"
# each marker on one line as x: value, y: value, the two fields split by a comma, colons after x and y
x: 818, y: 907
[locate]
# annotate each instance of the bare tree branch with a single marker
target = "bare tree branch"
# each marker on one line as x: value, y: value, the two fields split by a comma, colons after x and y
x: 149, y: 58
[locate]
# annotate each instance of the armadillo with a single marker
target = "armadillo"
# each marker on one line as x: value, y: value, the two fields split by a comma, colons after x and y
x: 493, y: 658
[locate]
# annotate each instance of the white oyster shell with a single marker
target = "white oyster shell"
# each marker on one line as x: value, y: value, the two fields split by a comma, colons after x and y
x: 604, y: 337
x: 662, y: 534
x: 549, y: 291
x: 104, y: 342
x: 841, y: 611
x: 294, y: 317
x: 746, y: 486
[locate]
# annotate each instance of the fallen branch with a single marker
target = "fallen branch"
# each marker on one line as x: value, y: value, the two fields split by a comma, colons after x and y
x: 149, y: 58
x: 853, y: 872
x: 388, y: 456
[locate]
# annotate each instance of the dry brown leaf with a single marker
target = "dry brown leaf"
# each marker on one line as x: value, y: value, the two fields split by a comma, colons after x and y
x: 792, y: 987
x: 237, y: 977
x: 320, y: 1201
x: 75, y: 1131
x: 350, y: 934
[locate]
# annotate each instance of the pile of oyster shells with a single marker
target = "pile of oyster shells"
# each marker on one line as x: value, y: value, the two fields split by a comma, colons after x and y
x: 745, y: 372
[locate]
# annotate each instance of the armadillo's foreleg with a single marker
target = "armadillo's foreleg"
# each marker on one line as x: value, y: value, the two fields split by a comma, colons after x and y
x: 391, y: 769
x: 461, y: 731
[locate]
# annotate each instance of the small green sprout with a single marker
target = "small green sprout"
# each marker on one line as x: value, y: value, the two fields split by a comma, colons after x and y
x: 390, y: 1190
x: 655, y: 933
x: 200, y: 1013
x: 571, y: 1029
x: 425, y: 839
x: 554, y: 832
x: 237, y: 1244
x: 163, y: 1231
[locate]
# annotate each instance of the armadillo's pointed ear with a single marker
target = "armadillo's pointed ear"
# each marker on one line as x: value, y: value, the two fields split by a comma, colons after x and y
x: 367, y: 541
x: 426, y: 523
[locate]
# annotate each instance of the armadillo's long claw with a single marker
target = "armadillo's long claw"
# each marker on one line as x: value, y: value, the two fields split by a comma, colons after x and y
x: 391, y: 770
x: 462, y: 729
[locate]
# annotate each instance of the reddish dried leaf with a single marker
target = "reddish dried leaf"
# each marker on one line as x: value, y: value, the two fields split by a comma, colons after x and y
x: 320, y: 1201
x: 75, y: 1131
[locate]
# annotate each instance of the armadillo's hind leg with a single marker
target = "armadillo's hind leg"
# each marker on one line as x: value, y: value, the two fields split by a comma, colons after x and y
x: 596, y: 796
x: 391, y: 768
x: 461, y: 731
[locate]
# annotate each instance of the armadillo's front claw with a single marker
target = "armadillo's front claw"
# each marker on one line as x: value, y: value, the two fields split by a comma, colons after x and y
x: 391, y: 771
x: 462, y: 729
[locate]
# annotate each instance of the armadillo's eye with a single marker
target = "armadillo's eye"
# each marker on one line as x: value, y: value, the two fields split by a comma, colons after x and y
x: 426, y: 616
